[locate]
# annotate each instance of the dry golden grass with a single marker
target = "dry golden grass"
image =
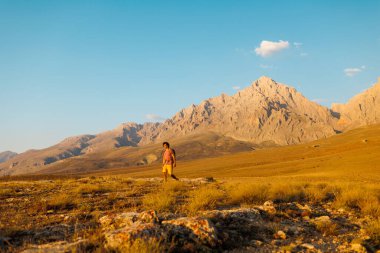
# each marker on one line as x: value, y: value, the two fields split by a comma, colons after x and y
x: 327, y: 228
x: 206, y: 197
x: 354, y: 196
x: 247, y: 193
x: 341, y: 157
x: 364, y: 198
x: 174, y: 186
x: 161, y: 201
x: 6, y: 192
x: 91, y: 189
x: 373, y: 230
x: 164, y: 199
x: 142, y: 246
x: 62, y: 201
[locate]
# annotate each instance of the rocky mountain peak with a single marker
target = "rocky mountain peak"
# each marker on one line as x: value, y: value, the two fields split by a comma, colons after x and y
x: 362, y: 109
x: 265, y: 111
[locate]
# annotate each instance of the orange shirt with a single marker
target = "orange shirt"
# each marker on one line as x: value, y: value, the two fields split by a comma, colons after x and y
x: 168, y: 156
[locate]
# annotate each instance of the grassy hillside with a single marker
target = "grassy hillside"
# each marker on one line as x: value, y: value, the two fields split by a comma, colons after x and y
x: 207, y: 144
x: 354, y: 155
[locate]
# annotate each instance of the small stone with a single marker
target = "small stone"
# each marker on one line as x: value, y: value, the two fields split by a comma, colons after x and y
x: 268, y: 203
x: 323, y: 219
x: 256, y: 243
x: 268, y: 207
x: 307, y: 246
x: 280, y: 235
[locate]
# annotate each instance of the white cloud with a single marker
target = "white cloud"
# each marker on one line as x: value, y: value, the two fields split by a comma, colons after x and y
x: 154, y: 117
x: 236, y: 87
x: 353, y: 71
x: 297, y: 44
x: 268, y: 48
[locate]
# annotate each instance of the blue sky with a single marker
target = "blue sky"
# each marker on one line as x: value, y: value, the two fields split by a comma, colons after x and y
x: 77, y: 67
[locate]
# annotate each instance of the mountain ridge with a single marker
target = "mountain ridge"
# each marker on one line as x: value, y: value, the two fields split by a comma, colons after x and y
x: 6, y: 155
x: 266, y: 113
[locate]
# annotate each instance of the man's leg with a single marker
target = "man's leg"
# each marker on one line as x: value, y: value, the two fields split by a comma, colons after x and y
x: 165, y: 173
x: 170, y: 170
x: 176, y: 178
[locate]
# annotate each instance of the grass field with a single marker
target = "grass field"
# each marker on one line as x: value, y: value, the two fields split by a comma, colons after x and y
x: 352, y: 156
x: 334, y: 174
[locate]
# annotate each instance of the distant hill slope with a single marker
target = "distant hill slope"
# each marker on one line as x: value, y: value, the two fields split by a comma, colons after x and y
x: 5, y: 156
x: 266, y: 113
x: 353, y: 155
x: 194, y: 146
x: 30, y: 161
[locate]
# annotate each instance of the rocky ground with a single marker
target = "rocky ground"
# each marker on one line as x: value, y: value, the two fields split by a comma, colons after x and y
x: 115, y: 220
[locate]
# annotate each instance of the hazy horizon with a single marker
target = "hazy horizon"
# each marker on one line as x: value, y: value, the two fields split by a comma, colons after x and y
x: 83, y: 67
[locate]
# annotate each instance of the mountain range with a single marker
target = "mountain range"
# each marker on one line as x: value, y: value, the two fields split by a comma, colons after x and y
x: 266, y: 113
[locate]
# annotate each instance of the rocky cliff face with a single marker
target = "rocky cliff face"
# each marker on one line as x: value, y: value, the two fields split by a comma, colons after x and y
x: 361, y: 110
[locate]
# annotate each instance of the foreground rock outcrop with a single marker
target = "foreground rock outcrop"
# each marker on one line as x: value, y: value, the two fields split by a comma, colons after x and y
x: 283, y: 227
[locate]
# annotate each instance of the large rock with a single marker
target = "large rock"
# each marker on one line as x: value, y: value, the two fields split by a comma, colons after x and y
x: 202, y: 229
x: 121, y: 230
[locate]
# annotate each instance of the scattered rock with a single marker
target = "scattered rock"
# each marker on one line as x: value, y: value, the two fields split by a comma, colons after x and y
x: 280, y: 235
x: 202, y: 228
x: 123, y: 237
x: 122, y: 229
x: 268, y: 207
x: 148, y: 217
x: 307, y: 246
x: 119, y: 220
x: 323, y: 219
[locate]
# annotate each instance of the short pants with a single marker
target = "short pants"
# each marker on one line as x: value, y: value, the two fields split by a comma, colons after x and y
x: 167, y: 168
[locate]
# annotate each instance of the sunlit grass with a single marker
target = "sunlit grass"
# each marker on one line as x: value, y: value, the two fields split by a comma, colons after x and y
x: 205, y: 198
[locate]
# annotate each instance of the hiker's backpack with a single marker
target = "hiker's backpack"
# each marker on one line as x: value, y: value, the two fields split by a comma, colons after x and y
x: 174, y: 153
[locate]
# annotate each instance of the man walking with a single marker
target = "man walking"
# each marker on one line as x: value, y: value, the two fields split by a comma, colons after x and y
x: 168, y: 162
